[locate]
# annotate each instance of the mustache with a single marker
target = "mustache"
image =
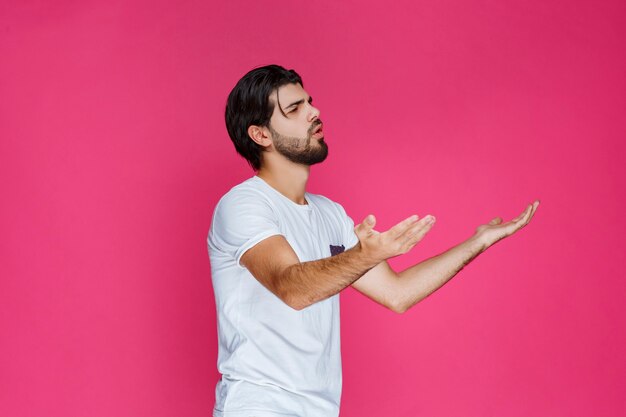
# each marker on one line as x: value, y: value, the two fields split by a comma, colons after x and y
x: 315, y: 124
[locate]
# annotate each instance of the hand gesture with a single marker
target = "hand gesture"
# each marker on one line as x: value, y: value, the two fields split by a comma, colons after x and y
x: 396, y: 241
x: 495, y: 230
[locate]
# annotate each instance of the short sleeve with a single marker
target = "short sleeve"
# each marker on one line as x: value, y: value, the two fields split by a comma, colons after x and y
x: 242, y: 218
x: 349, y: 236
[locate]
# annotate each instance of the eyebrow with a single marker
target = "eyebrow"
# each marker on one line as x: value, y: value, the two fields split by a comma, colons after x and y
x: 297, y: 103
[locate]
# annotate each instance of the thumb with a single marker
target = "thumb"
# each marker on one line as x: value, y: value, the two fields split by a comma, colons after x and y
x: 366, y: 226
x: 496, y: 220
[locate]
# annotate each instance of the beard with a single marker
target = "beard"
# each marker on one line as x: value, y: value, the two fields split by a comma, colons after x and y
x: 300, y: 150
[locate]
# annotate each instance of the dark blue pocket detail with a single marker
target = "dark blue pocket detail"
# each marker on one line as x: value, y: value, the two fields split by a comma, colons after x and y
x: 336, y: 250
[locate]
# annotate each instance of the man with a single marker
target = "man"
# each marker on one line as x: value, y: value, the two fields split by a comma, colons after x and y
x: 280, y: 256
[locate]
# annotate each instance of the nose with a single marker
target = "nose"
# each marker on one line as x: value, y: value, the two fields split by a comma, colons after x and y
x: 314, y: 113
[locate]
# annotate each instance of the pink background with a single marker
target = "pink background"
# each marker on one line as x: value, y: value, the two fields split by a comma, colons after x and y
x: 114, y: 153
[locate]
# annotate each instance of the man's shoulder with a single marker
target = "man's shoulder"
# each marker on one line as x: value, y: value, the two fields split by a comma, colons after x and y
x: 246, y: 189
x: 243, y: 205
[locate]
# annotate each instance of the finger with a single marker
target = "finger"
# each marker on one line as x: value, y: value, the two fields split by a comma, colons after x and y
x: 403, y: 226
x: 366, y: 226
x: 421, y: 227
x: 522, y: 215
x: 495, y: 221
x: 535, y: 206
x: 532, y: 211
x: 417, y: 232
x: 528, y: 213
x: 525, y: 218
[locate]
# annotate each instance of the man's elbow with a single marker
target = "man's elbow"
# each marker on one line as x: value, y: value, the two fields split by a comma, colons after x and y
x: 286, y: 293
x: 401, y: 306
x: 294, y: 301
x: 297, y: 305
x: 398, y: 307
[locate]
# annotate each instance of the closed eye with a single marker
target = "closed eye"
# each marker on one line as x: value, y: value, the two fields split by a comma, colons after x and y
x: 310, y: 100
x: 295, y: 106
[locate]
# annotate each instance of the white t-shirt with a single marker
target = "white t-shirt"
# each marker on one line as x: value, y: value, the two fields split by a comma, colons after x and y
x: 275, y: 361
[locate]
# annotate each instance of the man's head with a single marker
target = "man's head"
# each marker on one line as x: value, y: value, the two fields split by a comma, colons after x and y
x: 269, y: 110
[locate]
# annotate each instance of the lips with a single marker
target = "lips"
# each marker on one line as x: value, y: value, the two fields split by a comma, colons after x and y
x: 318, y: 128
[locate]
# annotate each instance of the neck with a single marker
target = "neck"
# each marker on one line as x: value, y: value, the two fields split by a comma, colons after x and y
x: 287, y: 178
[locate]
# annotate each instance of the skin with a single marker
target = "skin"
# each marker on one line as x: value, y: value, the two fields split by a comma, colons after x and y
x: 274, y: 263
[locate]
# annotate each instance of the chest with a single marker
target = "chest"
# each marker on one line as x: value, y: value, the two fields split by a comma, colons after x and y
x: 313, y: 234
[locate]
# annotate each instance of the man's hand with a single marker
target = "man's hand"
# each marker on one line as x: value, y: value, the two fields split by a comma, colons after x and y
x: 399, y: 292
x: 396, y: 241
x: 495, y: 230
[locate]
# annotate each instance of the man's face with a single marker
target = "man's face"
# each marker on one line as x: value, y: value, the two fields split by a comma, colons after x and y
x: 298, y: 134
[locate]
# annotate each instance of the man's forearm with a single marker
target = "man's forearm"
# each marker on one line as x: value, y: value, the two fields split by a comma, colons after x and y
x: 424, y: 278
x: 309, y: 282
x: 300, y: 284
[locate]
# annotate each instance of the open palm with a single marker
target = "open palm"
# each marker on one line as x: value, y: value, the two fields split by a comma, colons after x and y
x: 495, y: 230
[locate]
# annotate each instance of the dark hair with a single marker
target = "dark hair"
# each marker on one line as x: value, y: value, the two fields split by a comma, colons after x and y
x: 249, y: 104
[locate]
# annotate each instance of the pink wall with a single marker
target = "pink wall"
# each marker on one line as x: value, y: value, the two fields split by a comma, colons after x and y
x: 114, y: 152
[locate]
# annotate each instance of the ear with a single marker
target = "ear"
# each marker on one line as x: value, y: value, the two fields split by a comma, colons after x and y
x: 259, y: 134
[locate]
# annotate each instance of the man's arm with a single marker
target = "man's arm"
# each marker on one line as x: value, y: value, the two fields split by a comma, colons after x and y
x: 274, y: 263
x: 401, y: 291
